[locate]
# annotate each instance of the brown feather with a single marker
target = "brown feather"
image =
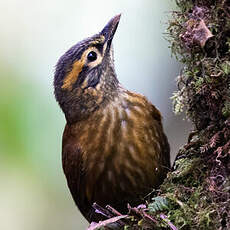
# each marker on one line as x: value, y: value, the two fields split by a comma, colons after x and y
x: 117, y: 155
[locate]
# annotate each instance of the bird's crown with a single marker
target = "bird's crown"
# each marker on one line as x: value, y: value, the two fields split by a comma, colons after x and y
x: 85, y: 75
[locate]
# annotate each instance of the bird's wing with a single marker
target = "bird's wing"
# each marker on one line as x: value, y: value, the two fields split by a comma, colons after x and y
x: 156, y: 113
x: 74, y: 171
x: 163, y: 139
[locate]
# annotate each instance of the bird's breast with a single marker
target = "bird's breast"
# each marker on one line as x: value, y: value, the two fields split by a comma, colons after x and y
x: 121, y: 147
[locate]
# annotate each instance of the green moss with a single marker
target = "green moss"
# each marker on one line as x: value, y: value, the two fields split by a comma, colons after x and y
x: 178, y: 102
x: 226, y: 109
x: 225, y: 66
x: 196, y: 199
x: 189, y: 205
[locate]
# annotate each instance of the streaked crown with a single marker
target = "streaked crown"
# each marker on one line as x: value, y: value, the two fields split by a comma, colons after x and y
x: 85, y: 77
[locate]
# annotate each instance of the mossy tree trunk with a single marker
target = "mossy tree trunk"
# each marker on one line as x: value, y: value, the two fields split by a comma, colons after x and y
x: 198, y: 188
x: 196, y: 193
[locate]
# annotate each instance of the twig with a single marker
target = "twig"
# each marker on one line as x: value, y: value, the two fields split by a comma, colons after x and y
x: 113, y: 210
x: 108, y: 212
x: 102, y: 211
x: 148, y: 217
x: 167, y: 221
x: 104, y: 223
x: 142, y: 213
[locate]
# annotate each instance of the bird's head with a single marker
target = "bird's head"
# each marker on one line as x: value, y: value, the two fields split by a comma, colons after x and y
x: 85, y: 78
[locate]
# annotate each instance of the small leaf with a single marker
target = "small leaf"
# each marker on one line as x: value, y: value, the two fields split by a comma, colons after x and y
x: 159, y: 204
x: 226, y: 67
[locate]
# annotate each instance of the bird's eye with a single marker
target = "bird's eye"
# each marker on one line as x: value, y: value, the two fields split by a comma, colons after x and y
x: 92, y: 56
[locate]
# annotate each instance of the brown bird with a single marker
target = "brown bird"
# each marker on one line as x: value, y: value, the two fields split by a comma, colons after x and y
x: 114, y: 149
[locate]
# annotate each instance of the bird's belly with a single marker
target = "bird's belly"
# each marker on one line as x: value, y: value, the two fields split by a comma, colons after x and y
x: 120, y: 173
x: 122, y: 155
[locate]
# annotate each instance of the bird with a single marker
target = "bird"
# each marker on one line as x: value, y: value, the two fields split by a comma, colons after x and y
x: 114, y: 149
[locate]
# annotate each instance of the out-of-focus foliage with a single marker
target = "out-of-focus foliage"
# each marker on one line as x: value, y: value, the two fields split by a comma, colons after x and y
x: 32, y: 183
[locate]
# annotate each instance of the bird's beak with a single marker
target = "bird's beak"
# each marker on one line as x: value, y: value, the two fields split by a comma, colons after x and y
x: 110, y: 29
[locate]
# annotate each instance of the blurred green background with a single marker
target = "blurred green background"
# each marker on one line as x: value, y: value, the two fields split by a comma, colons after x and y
x: 34, y: 34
